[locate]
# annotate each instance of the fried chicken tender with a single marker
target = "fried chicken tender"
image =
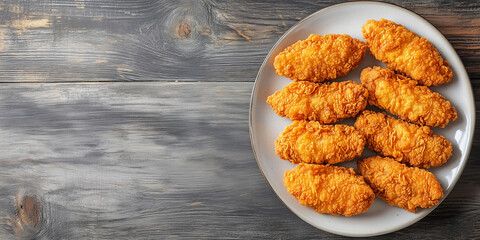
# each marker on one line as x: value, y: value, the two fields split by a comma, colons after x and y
x: 399, y: 185
x: 329, y: 189
x: 405, y: 142
x: 320, y: 57
x: 311, y: 142
x: 404, y: 98
x: 326, y: 103
x: 403, y: 51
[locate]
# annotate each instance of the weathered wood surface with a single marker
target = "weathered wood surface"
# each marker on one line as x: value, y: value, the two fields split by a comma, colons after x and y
x: 99, y: 142
x: 141, y: 40
x: 122, y: 160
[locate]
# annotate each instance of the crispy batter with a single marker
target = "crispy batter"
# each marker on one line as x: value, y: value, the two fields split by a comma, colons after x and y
x: 404, y: 98
x: 405, y: 142
x: 311, y: 142
x: 399, y: 185
x: 320, y: 57
x: 403, y: 51
x: 326, y: 103
x: 329, y: 189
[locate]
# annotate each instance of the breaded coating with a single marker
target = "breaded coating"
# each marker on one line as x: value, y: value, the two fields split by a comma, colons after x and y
x: 320, y: 57
x: 329, y: 189
x: 312, y: 142
x: 403, y: 51
x: 404, y: 98
x: 326, y: 103
x: 405, y: 142
x: 399, y: 185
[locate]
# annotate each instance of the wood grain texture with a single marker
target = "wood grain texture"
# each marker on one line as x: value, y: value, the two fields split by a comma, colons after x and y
x: 100, y: 142
x: 141, y: 40
x: 125, y: 160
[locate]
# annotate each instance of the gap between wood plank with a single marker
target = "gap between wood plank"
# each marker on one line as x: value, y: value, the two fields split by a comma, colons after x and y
x: 143, y: 81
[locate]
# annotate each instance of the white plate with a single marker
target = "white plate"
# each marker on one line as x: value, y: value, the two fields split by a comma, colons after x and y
x: 265, y: 125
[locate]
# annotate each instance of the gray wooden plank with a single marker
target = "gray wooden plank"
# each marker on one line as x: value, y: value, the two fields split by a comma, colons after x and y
x: 158, y: 161
x: 167, y: 40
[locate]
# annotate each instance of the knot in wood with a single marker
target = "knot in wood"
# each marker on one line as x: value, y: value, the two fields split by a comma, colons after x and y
x: 29, y: 210
x: 183, y: 29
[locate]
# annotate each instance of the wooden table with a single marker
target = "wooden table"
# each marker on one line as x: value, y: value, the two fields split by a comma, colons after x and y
x: 129, y: 120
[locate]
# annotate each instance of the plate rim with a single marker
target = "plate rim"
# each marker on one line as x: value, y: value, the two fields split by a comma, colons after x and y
x: 470, y: 96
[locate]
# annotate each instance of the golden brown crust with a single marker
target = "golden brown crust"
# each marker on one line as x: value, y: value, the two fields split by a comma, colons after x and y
x: 399, y: 185
x: 405, y: 142
x: 320, y: 57
x: 404, y: 98
x: 326, y: 103
x: 311, y: 142
x: 403, y: 51
x: 329, y: 189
